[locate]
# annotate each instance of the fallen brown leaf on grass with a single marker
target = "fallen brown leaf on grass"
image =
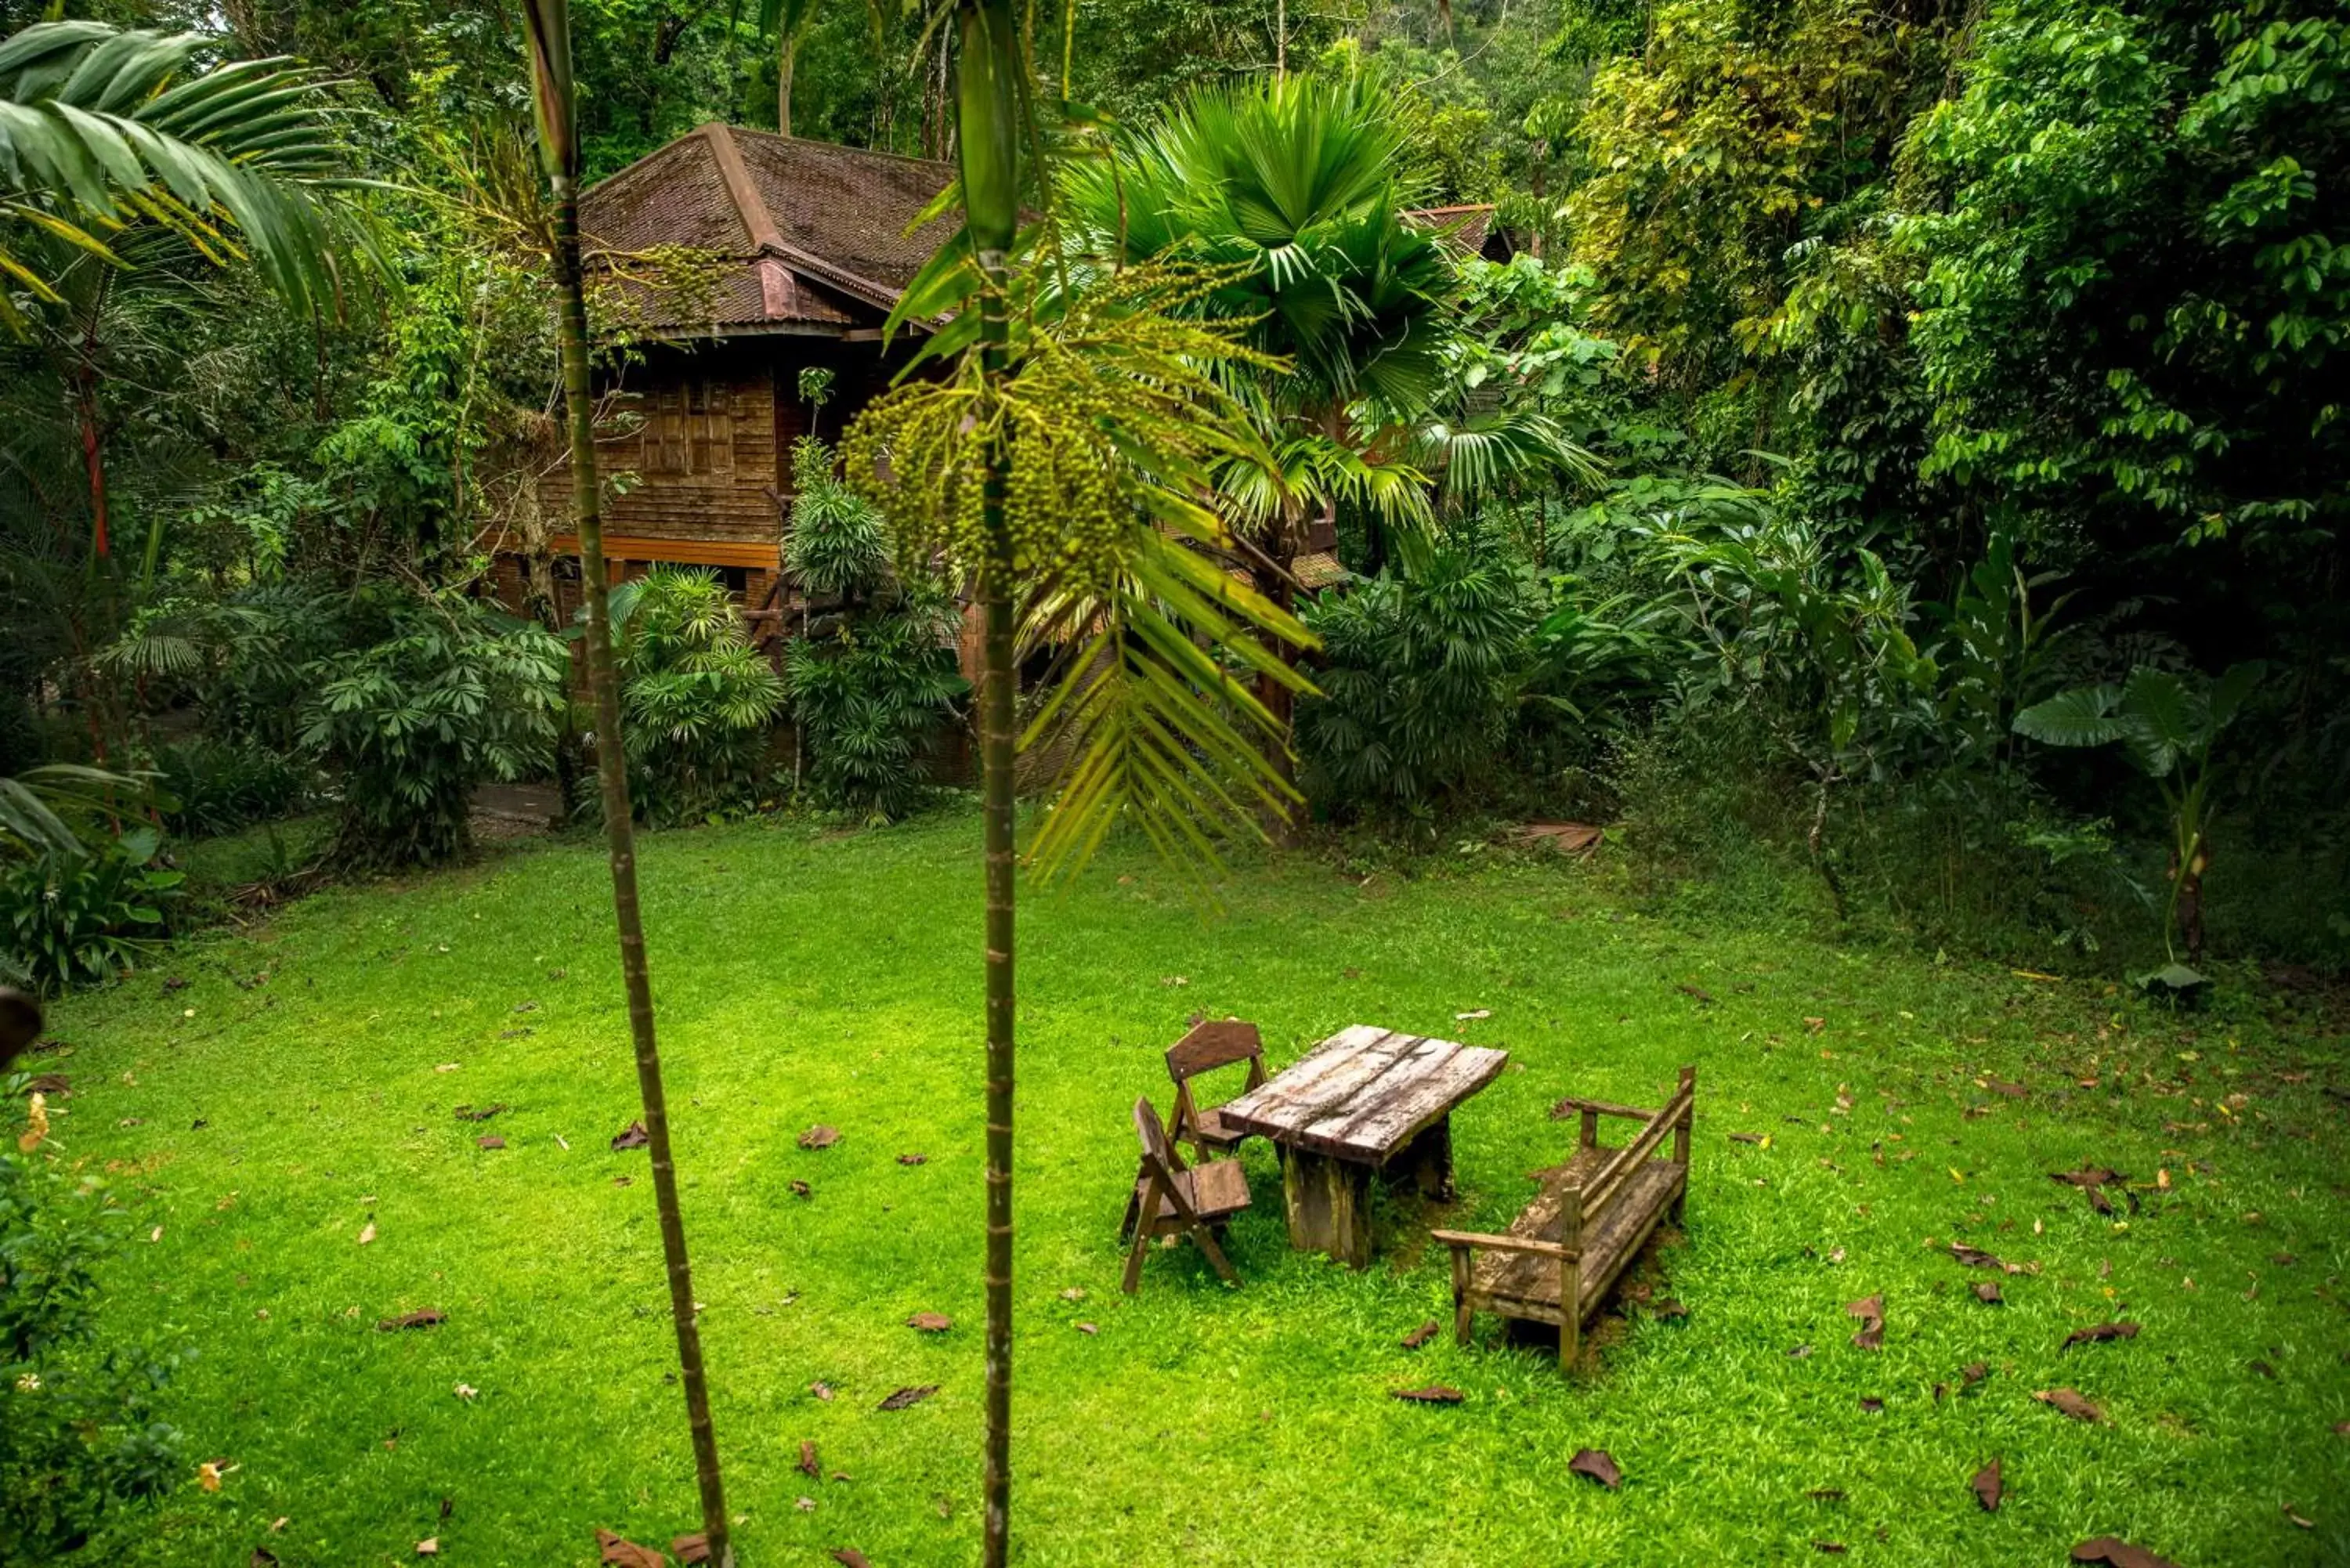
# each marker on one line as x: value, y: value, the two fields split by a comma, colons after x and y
x: 1988, y: 1489
x: 261, y: 1558
x: 1599, y: 1465
x: 1434, y: 1394
x: 1746, y: 1137
x: 1826, y: 1494
x: 2098, y: 1331
x: 1870, y: 1310
x: 821, y: 1390
x: 617, y: 1552
x: 1972, y: 1373
x: 633, y: 1136
x: 912, y: 1159
x: 469, y: 1114
x: 1088, y: 1328
x: 2012, y: 1091
x: 808, y: 1465
x: 909, y: 1395
x: 367, y: 1232
x: 1871, y: 1406
x: 428, y: 1547
x: 1420, y: 1335
x: 931, y: 1322
x: 802, y: 1189
x: 819, y: 1138
x: 427, y: 1317
x: 489, y: 1140
x: 55, y: 1083
x: 1567, y: 837
x: 1987, y: 1292
x: 1696, y: 991
x: 1668, y: 1308
x: 2298, y: 1519
x: 1832, y: 1548
x: 691, y: 1549
x: 208, y: 1473
x: 2069, y: 1401
x: 849, y: 1557
x: 2118, y: 1554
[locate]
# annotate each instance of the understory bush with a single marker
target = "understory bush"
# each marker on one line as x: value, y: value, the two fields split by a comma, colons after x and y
x: 80, y: 1435
x: 697, y: 700
x: 449, y: 694
x: 78, y: 916
x: 223, y: 786
x: 872, y: 673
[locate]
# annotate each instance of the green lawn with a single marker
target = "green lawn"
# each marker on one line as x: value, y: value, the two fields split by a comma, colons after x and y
x: 304, y: 1080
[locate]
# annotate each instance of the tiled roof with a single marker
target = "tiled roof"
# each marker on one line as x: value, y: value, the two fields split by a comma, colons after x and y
x: 815, y: 233
x: 1464, y: 228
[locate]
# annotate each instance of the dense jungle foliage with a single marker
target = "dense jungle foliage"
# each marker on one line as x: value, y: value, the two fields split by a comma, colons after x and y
x: 1897, y: 475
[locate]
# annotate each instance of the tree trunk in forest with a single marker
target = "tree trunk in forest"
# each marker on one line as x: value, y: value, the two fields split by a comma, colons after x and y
x: 787, y: 60
x: 550, y: 40
x: 93, y: 456
x: 986, y: 138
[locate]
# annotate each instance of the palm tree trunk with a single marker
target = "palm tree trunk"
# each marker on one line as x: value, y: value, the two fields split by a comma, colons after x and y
x: 987, y: 141
x: 550, y: 41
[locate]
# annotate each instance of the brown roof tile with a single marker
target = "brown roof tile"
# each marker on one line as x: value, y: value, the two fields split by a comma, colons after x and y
x: 818, y: 230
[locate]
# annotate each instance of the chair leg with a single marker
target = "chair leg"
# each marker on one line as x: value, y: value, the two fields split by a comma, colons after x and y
x: 1207, y: 1241
x: 1133, y: 1217
x: 1134, y: 1259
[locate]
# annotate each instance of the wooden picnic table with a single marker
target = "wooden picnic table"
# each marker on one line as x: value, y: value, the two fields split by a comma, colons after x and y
x: 1364, y: 1101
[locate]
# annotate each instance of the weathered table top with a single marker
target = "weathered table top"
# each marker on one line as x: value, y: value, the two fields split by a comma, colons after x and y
x: 1364, y: 1093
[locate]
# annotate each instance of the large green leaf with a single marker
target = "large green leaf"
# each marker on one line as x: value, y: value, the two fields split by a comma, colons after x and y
x: 2083, y: 716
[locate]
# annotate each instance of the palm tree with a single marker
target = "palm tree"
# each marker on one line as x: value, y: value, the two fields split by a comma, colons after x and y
x: 1297, y: 188
x: 1058, y: 460
x: 120, y: 158
x: 549, y: 21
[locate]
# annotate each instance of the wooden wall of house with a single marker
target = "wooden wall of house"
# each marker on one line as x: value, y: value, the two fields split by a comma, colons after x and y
x: 704, y: 437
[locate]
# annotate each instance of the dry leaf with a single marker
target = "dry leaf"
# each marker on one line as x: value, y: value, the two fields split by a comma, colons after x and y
x: 466, y: 1391
x: 1434, y: 1394
x: 1972, y: 1373
x: 821, y: 1390
x: 909, y: 1396
x: 489, y: 1140
x: 1472, y: 1015
x: 931, y: 1322
x: 428, y: 1547
x: 1420, y: 1335
x: 2098, y: 1331
x: 1833, y: 1548
x: 1987, y: 1292
x: 36, y: 1124
x: 912, y: 1159
x: 468, y: 1113
x: 208, y: 1473
x: 2118, y: 1554
x: 802, y: 1189
x: 633, y: 1136
x: 1988, y: 1489
x: 2069, y: 1401
x: 1870, y: 1406
x: 1746, y: 1137
x: 261, y: 1558
x: 1599, y: 1465
x: 1870, y: 1310
x: 691, y: 1549
x: 427, y: 1318
x: 849, y: 1557
x: 819, y: 1138
x: 617, y: 1553
x: 1088, y: 1328
x: 808, y: 1465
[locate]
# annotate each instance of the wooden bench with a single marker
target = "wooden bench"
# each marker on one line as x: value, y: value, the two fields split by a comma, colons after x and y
x: 1567, y: 1249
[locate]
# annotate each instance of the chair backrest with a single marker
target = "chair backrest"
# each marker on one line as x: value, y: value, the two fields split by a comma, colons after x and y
x: 1214, y: 1044
x: 1155, y: 1150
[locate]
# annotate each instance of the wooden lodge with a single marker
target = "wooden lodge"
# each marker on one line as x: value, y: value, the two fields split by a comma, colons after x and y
x: 734, y: 259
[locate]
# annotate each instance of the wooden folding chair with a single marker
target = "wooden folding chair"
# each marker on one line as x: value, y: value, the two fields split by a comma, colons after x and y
x: 1206, y: 1048
x: 1170, y: 1200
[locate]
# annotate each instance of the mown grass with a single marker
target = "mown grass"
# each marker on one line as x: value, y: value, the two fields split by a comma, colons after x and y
x: 302, y: 1082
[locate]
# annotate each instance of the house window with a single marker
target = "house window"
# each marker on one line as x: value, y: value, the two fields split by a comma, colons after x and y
x: 689, y: 429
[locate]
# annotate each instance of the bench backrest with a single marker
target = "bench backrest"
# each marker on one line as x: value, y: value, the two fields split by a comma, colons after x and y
x: 1673, y: 1117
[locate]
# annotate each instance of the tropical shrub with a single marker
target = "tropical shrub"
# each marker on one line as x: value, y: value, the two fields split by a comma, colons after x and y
x: 1419, y: 677
x: 223, y: 785
x: 450, y: 695
x: 872, y: 680
x: 81, y: 915
x: 696, y: 698
x: 80, y: 1436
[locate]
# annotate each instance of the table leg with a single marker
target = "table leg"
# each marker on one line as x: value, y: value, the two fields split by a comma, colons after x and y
x: 1329, y: 1204
x: 1427, y: 1161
